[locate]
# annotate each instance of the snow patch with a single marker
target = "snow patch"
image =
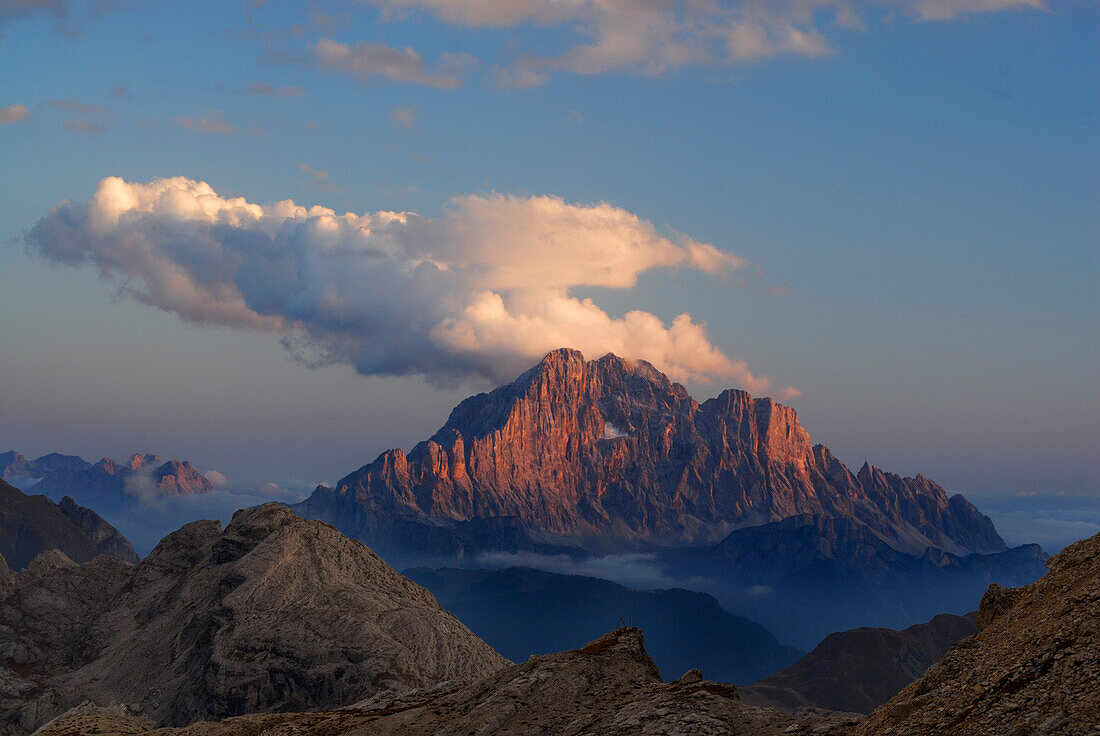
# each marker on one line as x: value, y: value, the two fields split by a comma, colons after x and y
x: 611, y: 432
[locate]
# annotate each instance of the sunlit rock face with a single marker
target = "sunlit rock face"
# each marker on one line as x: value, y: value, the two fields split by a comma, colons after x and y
x: 612, y: 453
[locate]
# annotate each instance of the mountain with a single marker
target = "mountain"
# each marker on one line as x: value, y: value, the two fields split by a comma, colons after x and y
x: 609, y: 454
x: 1032, y: 669
x: 111, y: 487
x: 579, y: 459
x: 30, y: 525
x: 521, y: 612
x: 273, y: 612
x: 609, y: 687
x: 861, y: 669
x: 809, y: 576
x: 18, y: 470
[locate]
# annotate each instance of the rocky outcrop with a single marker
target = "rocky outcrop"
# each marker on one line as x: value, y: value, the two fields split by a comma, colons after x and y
x: 609, y: 687
x: 1033, y: 669
x: 273, y: 612
x: 30, y: 525
x: 861, y: 669
x: 105, y: 537
x: 610, y: 453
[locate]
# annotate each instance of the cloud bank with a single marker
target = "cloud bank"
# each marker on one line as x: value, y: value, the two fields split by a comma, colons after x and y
x: 481, y: 292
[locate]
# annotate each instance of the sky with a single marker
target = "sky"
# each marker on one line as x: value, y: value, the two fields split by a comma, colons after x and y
x: 278, y: 238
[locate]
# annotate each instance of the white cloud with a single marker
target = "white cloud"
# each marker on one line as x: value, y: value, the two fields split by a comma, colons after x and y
x: 632, y: 569
x: 482, y: 291
x: 16, y: 113
x: 371, y: 61
x: 217, y: 479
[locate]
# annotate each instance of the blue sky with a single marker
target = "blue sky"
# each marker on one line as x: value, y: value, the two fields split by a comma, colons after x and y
x: 905, y: 194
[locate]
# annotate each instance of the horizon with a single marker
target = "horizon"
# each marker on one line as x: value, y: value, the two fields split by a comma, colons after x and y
x: 889, y: 217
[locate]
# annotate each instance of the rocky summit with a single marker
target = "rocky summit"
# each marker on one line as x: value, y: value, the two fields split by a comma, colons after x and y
x: 1033, y: 669
x: 609, y: 687
x: 273, y: 612
x: 610, y: 453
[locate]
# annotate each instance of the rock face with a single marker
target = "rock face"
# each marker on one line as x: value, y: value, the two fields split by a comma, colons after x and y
x: 30, y: 525
x: 610, y: 453
x: 1033, y: 668
x: 861, y: 669
x: 521, y: 612
x: 610, y: 687
x: 272, y: 613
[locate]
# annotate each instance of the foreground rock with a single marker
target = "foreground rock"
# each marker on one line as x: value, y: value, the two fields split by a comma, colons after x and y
x: 861, y: 669
x: 610, y: 687
x: 1033, y: 669
x: 30, y: 525
x: 272, y: 613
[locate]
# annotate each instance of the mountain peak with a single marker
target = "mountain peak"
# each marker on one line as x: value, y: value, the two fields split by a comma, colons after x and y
x: 612, y: 450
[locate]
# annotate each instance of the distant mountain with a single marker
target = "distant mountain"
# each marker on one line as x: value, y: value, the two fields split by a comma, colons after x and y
x: 30, y: 525
x: 809, y: 576
x: 861, y: 669
x: 107, y: 486
x: 18, y: 470
x: 1032, y: 669
x: 271, y: 613
x: 521, y: 612
x: 609, y: 454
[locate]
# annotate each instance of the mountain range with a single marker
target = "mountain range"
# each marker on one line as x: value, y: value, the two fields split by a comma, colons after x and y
x: 1031, y: 669
x: 579, y: 459
x: 610, y: 454
x: 106, y: 485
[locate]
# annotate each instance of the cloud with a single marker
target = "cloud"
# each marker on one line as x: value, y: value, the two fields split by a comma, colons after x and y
x: 947, y: 9
x: 217, y: 478
x: 319, y: 178
x: 634, y: 570
x: 205, y: 124
x: 119, y: 91
x: 82, y: 126
x: 262, y: 88
x: 405, y: 116
x: 14, y: 9
x: 482, y: 291
x: 778, y: 290
x: 16, y: 113
x: 77, y: 106
x: 368, y: 62
x: 651, y: 37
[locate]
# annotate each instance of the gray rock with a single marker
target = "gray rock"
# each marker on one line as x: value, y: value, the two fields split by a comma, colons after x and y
x: 273, y: 613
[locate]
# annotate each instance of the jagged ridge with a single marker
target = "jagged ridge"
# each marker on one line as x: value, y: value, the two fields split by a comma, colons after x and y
x: 612, y: 450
